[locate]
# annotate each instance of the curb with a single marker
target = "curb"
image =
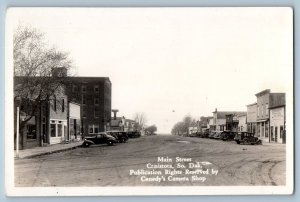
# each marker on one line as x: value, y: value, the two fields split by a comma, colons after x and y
x: 47, y: 153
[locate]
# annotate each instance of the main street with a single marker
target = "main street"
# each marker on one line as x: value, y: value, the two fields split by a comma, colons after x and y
x: 102, y: 165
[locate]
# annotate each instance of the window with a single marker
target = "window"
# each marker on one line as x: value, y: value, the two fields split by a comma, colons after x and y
x: 267, y: 109
x: 272, y: 132
x: 54, y: 103
x: 96, y: 88
x: 52, y: 128
x: 83, y: 89
x: 96, y: 101
x: 83, y: 99
x: 93, y: 128
x: 83, y: 112
x: 59, y: 130
x: 267, y: 130
x: 31, y: 131
x: 63, y: 105
x: 262, y: 110
x: 257, y: 110
x: 281, y: 131
x: 96, y: 112
x: 74, y: 88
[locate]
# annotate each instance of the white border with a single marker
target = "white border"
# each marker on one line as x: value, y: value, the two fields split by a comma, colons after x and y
x: 11, y: 190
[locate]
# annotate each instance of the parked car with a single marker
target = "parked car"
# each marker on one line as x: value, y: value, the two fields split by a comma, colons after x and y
x: 100, y: 138
x: 217, y: 135
x: 247, y: 138
x: 134, y: 134
x: 205, y: 134
x: 119, y: 135
x: 212, y: 134
x: 227, y: 135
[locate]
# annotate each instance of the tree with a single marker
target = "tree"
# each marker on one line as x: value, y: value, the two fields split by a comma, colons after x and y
x: 151, y: 130
x: 34, y: 62
x: 140, y: 120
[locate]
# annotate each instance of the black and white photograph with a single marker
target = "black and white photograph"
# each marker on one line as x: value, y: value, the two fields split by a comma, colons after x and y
x: 149, y: 101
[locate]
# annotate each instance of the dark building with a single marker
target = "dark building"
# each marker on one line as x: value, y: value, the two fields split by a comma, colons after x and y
x: 94, y: 96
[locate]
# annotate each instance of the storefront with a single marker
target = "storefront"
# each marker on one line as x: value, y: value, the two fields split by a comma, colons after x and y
x: 74, y: 122
x: 277, y: 125
x: 58, y: 130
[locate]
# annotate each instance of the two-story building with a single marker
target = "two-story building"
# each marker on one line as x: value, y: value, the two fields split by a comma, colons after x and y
x: 251, y: 118
x: 265, y: 99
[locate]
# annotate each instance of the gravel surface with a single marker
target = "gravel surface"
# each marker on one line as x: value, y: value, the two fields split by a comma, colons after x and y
x: 102, y: 165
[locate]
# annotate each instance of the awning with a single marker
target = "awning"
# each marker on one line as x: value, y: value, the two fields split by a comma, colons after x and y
x: 262, y: 120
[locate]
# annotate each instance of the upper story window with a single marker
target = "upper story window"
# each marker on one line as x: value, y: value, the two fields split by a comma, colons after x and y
x: 262, y: 110
x: 258, y: 113
x: 74, y: 88
x: 96, y: 88
x: 83, y: 99
x: 83, y: 89
x: 96, y: 101
x: 267, y: 109
x: 63, y: 105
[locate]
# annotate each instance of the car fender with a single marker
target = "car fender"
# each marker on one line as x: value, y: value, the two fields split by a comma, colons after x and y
x: 89, y: 141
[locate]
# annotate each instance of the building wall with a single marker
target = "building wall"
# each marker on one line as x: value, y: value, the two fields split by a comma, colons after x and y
x: 263, y: 129
x: 251, y: 113
x: 94, y: 95
x: 242, y: 123
x: 277, y: 124
x: 262, y: 106
x: 58, y: 114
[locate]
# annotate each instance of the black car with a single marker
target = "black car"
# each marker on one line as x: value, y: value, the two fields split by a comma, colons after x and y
x: 247, y: 138
x: 227, y: 135
x: 204, y: 134
x: 119, y: 135
x: 134, y: 134
x: 100, y: 138
x: 212, y: 134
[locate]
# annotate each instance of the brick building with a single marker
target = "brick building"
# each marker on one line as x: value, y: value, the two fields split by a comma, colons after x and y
x: 94, y: 95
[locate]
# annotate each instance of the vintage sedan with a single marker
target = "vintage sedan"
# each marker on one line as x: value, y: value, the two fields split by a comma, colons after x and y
x: 227, y: 135
x: 247, y: 138
x: 119, y: 135
x: 217, y: 135
x: 100, y: 138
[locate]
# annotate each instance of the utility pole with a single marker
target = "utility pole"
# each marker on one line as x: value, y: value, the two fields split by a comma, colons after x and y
x: 18, y: 134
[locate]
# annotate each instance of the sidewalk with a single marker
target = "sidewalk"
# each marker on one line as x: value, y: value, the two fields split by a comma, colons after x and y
x: 39, y: 151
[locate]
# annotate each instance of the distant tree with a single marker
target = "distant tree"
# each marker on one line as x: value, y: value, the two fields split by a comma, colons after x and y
x: 140, y: 120
x: 151, y: 130
x: 33, y: 64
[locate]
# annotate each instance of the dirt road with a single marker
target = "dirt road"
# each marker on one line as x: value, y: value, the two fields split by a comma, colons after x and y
x: 125, y: 164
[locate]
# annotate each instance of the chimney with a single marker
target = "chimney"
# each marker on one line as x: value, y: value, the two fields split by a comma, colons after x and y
x: 216, y: 110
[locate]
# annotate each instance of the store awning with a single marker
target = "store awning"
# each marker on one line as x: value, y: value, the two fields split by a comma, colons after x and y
x: 262, y: 120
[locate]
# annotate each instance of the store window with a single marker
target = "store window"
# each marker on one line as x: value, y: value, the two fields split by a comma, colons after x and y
x: 281, y: 131
x: 53, y: 130
x: 31, y: 131
x: 59, y: 130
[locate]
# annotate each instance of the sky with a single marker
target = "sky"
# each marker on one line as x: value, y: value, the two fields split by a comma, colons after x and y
x: 171, y: 62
